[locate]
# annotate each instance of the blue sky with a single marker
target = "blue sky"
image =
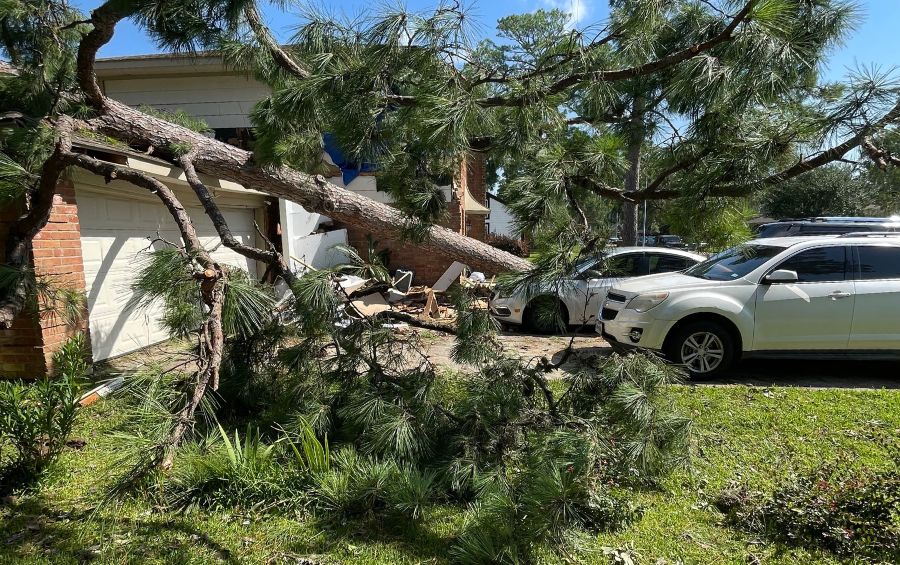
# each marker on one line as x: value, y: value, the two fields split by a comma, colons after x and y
x: 876, y: 40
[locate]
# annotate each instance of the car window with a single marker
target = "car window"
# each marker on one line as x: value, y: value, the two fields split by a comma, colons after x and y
x: 661, y: 263
x: 822, y: 264
x: 879, y: 262
x: 733, y: 263
x: 776, y: 230
x: 625, y: 265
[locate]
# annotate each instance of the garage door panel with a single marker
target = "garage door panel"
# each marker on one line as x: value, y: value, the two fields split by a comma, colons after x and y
x: 115, y: 236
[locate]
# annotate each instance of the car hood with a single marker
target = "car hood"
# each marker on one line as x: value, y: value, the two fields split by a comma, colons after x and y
x: 666, y: 282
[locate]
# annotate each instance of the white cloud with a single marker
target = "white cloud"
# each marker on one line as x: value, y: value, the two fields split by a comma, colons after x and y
x: 577, y: 9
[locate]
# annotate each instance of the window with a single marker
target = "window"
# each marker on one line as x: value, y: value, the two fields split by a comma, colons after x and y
x: 879, y: 262
x: 734, y: 263
x: 777, y: 230
x: 626, y: 265
x: 660, y: 263
x: 823, y: 264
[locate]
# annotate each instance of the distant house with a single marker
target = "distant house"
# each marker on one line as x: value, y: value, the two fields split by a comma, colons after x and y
x: 98, y: 230
x: 499, y: 220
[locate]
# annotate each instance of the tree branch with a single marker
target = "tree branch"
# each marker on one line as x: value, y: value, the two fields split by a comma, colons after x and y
x: 881, y: 157
x: 110, y: 172
x: 836, y: 152
x: 649, y: 68
x: 676, y: 168
x: 23, y: 230
x: 264, y: 36
x: 271, y: 257
x: 212, y: 283
x: 104, y: 20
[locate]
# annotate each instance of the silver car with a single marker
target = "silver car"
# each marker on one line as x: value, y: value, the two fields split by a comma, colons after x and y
x: 578, y: 298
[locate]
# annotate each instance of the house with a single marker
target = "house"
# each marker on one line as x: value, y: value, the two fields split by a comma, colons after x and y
x: 499, y: 220
x: 98, y: 231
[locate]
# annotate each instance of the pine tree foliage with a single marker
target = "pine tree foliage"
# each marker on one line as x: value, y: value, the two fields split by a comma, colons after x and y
x: 169, y: 275
x: 356, y: 422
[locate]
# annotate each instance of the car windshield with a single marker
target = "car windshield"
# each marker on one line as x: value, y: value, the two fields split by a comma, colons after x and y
x: 734, y: 263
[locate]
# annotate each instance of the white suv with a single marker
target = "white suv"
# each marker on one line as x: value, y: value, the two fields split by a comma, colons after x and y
x: 768, y: 297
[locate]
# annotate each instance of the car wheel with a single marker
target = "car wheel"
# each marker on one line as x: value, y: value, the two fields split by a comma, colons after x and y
x: 704, y: 349
x: 544, y: 313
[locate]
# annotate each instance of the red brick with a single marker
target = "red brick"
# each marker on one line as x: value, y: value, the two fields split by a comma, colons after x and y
x: 26, y: 349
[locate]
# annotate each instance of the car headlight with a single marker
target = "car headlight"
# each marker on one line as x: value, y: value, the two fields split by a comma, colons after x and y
x: 644, y: 302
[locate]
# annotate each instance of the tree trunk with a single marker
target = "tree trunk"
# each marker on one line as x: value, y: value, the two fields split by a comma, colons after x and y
x: 21, y: 233
x: 314, y: 193
x: 633, y: 176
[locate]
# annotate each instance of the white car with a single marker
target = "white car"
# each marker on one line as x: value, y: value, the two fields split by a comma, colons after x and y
x: 578, y: 298
x: 788, y: 296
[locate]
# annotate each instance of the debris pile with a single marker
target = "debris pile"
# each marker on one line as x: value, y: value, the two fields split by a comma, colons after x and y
x: 417, y: 305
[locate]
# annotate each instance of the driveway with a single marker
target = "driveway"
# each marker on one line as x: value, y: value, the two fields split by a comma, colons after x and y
x: 757, y: 372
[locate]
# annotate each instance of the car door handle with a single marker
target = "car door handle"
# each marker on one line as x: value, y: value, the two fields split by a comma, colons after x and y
x: 839, y: 294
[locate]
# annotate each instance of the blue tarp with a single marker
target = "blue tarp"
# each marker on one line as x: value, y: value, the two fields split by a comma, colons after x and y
x: 349, y: 170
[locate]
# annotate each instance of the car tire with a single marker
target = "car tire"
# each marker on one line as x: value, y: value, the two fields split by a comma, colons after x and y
x: 540, y: 324
x: 705, y: 349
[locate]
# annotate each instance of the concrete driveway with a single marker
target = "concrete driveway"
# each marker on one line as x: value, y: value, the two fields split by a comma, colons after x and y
x: 757, y: 372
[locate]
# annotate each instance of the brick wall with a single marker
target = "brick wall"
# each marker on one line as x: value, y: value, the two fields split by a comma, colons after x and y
x: 17, y: 344
x: 428, y: 267
x: 26, y: 349
x: 476, y: 175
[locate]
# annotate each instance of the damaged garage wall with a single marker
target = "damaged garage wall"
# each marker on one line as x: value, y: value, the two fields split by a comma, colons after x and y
x: 306, y: 239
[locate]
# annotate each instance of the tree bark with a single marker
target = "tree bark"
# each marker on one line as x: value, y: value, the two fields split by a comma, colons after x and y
x: 633, y: 176
x: 314, y: 193
x: 23, y: 230
x: 272, y: 258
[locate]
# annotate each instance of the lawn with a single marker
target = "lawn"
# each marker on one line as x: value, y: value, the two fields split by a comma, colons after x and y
x: 748, y: 433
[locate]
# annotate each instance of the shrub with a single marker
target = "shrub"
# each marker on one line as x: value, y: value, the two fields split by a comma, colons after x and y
x: 516, y: 246
x: 36, y: 417
x: 851, y: 513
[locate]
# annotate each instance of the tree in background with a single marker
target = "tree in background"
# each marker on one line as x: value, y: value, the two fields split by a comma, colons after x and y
x: 712, y: 224
x: 833, y: 190
x: 882, y: 172
x: 683, y: 130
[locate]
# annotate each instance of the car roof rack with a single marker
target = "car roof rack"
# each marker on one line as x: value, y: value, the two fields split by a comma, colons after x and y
x: 839, y: 220
x: 853, y: 219
x: 871, y: 234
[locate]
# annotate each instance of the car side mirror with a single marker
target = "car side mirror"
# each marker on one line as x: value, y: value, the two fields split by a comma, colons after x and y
x: 782, y: 276
x: 591, y: 274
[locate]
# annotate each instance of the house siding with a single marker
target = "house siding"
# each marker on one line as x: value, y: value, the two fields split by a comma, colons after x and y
x: 500, y: 221
x: 222, y: 101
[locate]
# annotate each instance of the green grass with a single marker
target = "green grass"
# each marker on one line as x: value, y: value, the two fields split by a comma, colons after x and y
x: 752, y: 434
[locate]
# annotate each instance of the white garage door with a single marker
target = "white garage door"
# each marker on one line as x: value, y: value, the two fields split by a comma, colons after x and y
x: 114, y: 235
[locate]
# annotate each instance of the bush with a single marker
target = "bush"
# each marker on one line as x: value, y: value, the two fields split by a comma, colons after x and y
x: 513, y: 245
x: 36, y: 417
x: 851, y: 513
